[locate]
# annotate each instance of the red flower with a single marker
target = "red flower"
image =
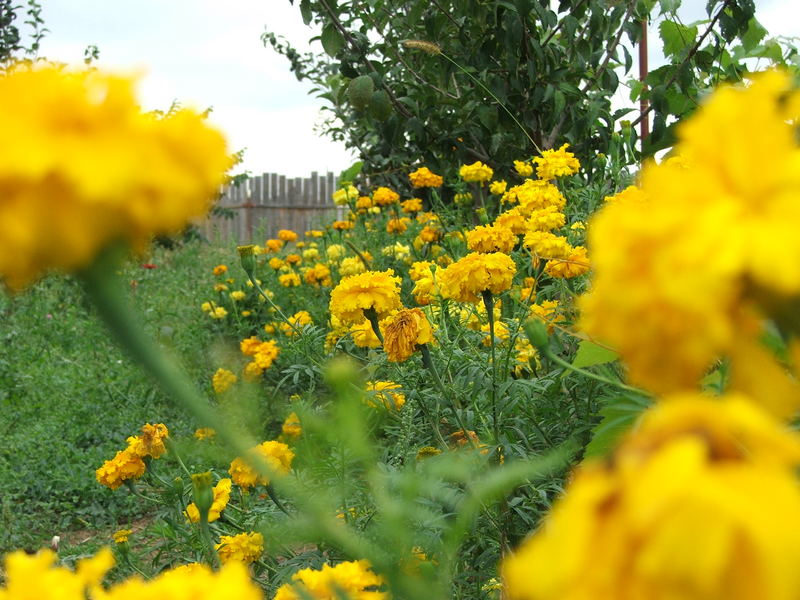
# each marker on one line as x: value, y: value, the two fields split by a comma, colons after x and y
x: 149, y: 266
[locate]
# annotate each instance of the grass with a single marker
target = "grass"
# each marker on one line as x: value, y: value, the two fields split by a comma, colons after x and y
x: 69, y: 398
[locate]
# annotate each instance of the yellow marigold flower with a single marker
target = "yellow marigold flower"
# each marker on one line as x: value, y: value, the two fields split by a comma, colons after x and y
x: 513, y: 220
x: 424, y: 177
x: 501, y: 333
x: 220, y: 287
x: 276, y: 454
x: 547, y: 245
x: 244, y: 547
x: 266, y: 353
x: 311, y: 254
x: 708, y: 246
x: 498, y: 187
x: 382, y: 392
x: 556, y: 163
x: 384, y: 196
x: 477, y: 172
x: 411, y: 206
x: 204, y: 433
x: 151, y: 442
x: 342, y: 225
x: 353, y: 579
x: 420, y: 269
x: 276, y: 263
x: 425, y: 290
x: 343, y: 195
x: 533, y: 194
x: 82, y: 166
x: 274, y: 245
x: 335, y: 252
x: 238, y: 295
x: 289, y: 280
x: 218, y: 312
x: 223, y: 379
x: 405, y: 331
x: 373, y: 290
x: 577, y: 263
x: 676, y: 512
x: 467, y: 278
x: 578, y: 226
x: 124, y: 466
x: 523, y: 168
x: 526, y: 355
x: 222, y: 494
x: 293, y: 259
x: 352, y: 265
x: 249, y: 346
x: 429, y: 235
x: 490, y: 238
x: 119, y: 537
x: 252, y: 371
x: 545, y: 219
x: 548, y: 312
x: 291, y: 427
x: 299, y: 319
x: 287, y: 235
x: 397, y: 225
x: 363, y: 203
x: 364, y: 336
x: 630, y: 194
x: 315, y: 233
x: 319, y: 274
x: 37, y: 576
x: 427, y: 217
x: 206, y: 307
x: 220, y: 270
x: 397, y: 250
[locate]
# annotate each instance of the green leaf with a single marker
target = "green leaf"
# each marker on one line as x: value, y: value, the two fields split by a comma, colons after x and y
x: 590, y: 354
x: 617, y: 417
x: 351, y: 172
x: 668, y: 6
x: 676, y: 38
x: 332, y: 40
x: 305, y: 11
x: 754, y: 34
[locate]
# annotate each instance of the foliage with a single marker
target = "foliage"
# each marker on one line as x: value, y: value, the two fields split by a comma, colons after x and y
x: 12, y: 39
x: 505, y: 64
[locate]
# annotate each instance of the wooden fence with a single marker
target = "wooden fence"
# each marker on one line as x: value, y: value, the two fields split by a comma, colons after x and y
x: 266, y: 203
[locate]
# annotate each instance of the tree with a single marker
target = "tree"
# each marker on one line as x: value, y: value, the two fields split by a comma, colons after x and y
x: 497, y: 80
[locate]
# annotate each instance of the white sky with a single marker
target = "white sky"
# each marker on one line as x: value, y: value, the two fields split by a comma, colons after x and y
x: 208, y: 53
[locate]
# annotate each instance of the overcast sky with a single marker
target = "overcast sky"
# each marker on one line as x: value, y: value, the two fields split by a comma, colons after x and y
x: 208, y: 53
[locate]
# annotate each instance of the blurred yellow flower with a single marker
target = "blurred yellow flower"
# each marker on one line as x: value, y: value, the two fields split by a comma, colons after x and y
x: 242, y: 548
x: 276, y: 454
x: 424, y: 177
x: 223, y: 379
x: 353, y: 580
x: 222, y: 494
x: 81, y: 167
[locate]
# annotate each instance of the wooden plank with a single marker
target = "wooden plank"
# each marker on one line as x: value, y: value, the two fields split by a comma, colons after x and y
x: 314, y: 187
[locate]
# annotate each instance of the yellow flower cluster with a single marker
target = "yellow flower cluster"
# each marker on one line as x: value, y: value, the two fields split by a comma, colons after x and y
x: 287, y: 235
x: 222, y: 494
x: 678, y: 511
x: 297, y: 321
x: 533, y: 194
x: 223, y: 380
x: 373, y: 290
x: 289, y: 279
x: 706, y: 243
x: 384, y: 196
x: 556, y: 163
x: 353, y: 579
x: 523, y: 168
x: 382, y: 392
x: 243, y: 548
x: 128, y: 464
x: 424, y: 177
x: 352, y: 265
x: 405, y: 331
x: 263, y: 353
x: 276, y: 454
x: 81, y: 167
x: 467, y: 278
x: 319, y: 274
x: 411, y: 205
x: 344, y: 196
x: 476, y: 172
x: 491, y: 238
x: 498, y: 187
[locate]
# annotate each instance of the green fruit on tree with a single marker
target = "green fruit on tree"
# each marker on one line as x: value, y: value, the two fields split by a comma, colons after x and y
x: 360, y: 92
x: 380, y: 106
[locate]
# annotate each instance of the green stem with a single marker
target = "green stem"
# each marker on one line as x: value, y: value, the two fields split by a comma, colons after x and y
x: 372, y: 317
x: 488, y: 302
x: 561, y: 362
